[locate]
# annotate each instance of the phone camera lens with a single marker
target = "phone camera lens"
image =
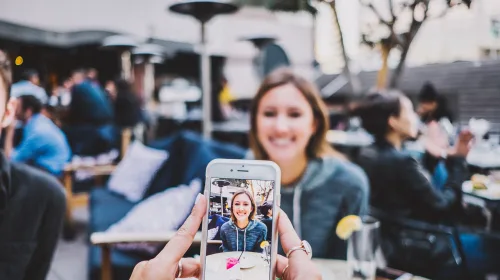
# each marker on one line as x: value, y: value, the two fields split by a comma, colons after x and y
x: 231, y: 170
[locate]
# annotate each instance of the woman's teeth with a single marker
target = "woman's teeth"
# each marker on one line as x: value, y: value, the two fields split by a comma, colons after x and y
x: 281, y: 141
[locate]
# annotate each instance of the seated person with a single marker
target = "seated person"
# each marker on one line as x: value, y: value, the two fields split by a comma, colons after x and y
x: 43, y: 144
x: 29, y: 85
x: 398, y: 182
x: 89, y: 103
x: 266, y: 209
x: 437, y: 129
x: 127, y: 105
x: 401, y: 186
x: 32, y: 207
x: 89, y: 124
x: 319, y: 187
x: 243, y: 232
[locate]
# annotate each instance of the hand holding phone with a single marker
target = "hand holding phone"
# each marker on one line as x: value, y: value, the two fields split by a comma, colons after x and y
x: 166, y: 264
x: 255, y: 255
x: 239, y: 230
x: 298, y: 266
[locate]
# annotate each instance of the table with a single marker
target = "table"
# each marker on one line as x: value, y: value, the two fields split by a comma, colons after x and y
x: 484, y: 156
x: 216, y: 266
x: 330, y: 270
x: 485, y: 199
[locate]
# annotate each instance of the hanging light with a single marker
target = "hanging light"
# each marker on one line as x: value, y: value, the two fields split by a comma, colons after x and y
x: 19, y: 61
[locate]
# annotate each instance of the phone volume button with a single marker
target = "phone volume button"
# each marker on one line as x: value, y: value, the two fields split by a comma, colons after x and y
x: 279, y: 200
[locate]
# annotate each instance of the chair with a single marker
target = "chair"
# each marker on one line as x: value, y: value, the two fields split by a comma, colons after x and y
x: 80, y: 199
x: 407, y: 254
x: 189, y: 154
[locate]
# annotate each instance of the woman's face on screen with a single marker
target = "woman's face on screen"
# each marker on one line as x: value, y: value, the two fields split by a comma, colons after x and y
x: 242, y: 207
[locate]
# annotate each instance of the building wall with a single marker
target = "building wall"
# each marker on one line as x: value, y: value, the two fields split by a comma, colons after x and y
x: 152, y: 18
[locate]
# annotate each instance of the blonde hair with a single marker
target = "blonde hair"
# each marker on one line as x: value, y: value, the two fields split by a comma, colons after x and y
x: 252, y: 201
x: 317, y: 146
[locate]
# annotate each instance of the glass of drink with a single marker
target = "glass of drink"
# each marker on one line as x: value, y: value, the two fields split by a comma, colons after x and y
x: 362, y: 249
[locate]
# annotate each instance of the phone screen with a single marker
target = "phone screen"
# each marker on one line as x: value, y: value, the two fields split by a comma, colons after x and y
x: 240, y: 220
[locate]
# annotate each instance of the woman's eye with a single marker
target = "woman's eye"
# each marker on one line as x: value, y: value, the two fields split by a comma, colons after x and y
x: 269, y: 114
x: 295, y: 114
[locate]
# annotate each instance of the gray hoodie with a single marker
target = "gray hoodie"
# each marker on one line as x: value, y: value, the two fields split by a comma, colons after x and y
x: 248, y: 239
x: 329, y: 190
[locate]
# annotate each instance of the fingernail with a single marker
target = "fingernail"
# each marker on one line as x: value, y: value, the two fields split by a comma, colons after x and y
x: 197, y: 198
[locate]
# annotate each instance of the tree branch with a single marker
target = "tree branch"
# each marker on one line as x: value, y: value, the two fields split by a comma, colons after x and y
x: 391, y: 8
x: 377, y: 13
x: 398, y: 39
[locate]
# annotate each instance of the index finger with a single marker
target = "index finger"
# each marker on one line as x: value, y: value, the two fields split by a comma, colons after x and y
x: 180, y: 243
x: 287, y: 234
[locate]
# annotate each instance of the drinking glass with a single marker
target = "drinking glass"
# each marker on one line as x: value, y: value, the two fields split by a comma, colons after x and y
x: 362, y: 249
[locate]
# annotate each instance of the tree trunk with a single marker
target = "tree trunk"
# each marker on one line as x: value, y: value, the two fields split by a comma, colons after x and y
x: 398, y: 72
x: 353, y: 80
x: 382, y: 73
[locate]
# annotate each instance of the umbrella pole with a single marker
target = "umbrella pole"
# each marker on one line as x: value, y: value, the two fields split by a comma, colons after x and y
x: 221, y: 202
x: 206, y: 86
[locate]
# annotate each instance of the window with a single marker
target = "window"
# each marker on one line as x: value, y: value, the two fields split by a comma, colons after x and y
x: 490, y: 54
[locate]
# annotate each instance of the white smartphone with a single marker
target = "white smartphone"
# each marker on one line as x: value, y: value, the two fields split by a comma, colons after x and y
x: 239, y: 233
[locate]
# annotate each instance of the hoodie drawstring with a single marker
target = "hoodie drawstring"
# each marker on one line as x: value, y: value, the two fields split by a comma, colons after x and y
x: 244, y: 240
x: 297, y: 196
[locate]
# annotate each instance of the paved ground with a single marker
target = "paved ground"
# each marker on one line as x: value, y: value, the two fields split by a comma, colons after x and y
x: 70, y: 260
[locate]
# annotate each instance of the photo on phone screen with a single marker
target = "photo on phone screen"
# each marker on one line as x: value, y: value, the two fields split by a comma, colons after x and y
x: 239, y: 235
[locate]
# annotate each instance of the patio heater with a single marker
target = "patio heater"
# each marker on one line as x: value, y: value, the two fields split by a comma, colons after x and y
x: 260, y: 42
x: 221, y: 184
x: 123, y: 44
x: 204, y: 11
x: 148, y: 55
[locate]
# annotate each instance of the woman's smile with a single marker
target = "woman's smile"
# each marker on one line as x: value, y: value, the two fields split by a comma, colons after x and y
x: 241, y: 213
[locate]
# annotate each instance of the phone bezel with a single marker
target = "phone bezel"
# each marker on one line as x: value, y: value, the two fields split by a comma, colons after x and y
x: 243, y: 169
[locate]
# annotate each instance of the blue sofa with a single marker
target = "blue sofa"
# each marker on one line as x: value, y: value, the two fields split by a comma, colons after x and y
x: 189, y: 155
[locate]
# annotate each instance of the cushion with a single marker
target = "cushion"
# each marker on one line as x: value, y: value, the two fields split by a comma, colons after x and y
x: 107, y: 208
x: 133, y: 174
x: 162, y: 212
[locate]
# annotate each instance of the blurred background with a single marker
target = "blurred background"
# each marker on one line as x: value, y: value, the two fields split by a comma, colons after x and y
x: 170, y: 77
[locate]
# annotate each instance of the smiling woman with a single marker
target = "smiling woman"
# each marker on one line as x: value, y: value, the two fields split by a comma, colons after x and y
x: 243, y: 232
x: 289, y: 122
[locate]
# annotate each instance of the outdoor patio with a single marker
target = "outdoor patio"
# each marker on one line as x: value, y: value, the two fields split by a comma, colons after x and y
x: 70, y: 260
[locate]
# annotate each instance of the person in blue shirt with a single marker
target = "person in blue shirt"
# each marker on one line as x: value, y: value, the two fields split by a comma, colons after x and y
x: 43, y: 144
